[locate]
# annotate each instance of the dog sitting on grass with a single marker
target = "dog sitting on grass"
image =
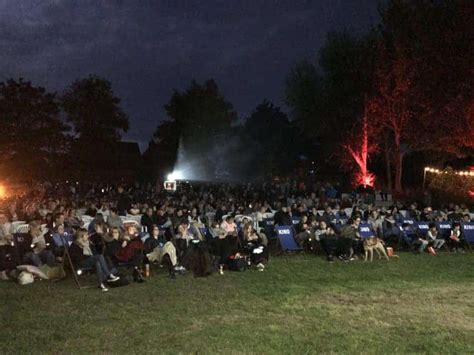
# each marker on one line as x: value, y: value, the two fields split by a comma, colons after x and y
x: 374, y: 243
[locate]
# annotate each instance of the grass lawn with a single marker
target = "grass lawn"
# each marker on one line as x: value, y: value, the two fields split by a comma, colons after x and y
x: 298, y: 305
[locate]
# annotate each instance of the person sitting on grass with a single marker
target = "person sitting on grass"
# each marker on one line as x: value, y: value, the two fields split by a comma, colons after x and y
x: 329, y: 243
x: 433, y: 237
x: 229, y: 226
x: 131, y: 252
x: 305, y: 237
x: 112, y: 242
x: 82, y: 258
x: 40, y: 249
x: 412, y: 238
x: 253, y: 245
x: 157, y: 249
x: 350, y: 238
x: 456, y: 239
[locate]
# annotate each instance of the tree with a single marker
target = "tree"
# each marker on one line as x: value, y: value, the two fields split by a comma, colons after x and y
x: 269, y: 129
x: 98, y: 120
x: 390, y: 107
x: 160, y: 156
x: 33, y: 135
x: 200, y: 113
x: 327, y: 104
x: 360, y: 148
x: 421, y: 89
x: 197, y: 119
x: 93, y: 109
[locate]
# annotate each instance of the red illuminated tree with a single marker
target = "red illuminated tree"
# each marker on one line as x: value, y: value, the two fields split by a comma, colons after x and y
x: 360, y: 149
x: 390, y: 107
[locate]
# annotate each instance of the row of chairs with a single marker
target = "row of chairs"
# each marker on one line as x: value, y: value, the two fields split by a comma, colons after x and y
x: 286, y: 234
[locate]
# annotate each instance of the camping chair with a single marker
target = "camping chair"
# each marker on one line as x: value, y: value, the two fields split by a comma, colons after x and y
x: 15, y: 225
x: 366, y: 231
x: 23, y: 228
x: 286, y: 238
x: 423, y: 228
x: 130, y: 222
x: 65, y: 242
x: 22, y: 244
x: 410, y: 233
x: 468, y: 233
x: 444, y: 228
x: 295, y: 220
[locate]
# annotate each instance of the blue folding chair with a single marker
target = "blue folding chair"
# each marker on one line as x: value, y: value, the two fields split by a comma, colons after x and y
x: 60, y: 241
x: 423, y: 228
x: 366, y: 231
x: 410, y: 221
x: 468, y: 233
x: 295, y: 220
x: 269, y: 224
x: 286, y: 238
x: 444, y: 228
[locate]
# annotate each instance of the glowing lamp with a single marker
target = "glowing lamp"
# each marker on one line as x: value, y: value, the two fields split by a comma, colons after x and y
x: 175, y: 175
x: 3, y: 192
x: 170, y: 186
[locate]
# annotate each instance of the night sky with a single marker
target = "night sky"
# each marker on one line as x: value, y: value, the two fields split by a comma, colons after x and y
x: 148, y: 48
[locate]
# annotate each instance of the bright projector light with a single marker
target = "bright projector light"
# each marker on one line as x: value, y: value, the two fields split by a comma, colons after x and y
x: 175, y: 175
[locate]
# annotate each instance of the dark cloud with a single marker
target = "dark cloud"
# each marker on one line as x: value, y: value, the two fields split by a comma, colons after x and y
x: 148, y: 48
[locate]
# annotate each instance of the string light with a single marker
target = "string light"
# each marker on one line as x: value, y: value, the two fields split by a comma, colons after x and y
x: 437, y: 171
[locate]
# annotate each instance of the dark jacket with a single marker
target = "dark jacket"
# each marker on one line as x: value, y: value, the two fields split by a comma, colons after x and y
x: 147, y: 221
x: 77, y: 254
x: 282, y: 219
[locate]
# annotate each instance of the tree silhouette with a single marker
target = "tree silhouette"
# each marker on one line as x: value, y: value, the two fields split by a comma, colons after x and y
x: 93, y: 109
x: 33, y: 136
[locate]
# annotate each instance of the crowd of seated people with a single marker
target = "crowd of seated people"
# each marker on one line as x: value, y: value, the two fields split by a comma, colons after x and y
x: 205, y: 227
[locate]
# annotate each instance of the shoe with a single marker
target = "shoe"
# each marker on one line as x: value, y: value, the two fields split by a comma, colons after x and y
x: 260, y: 267
x: 103, y: 288
x: 113, y: 278
x: 138, y: 276
x: 461, y: 251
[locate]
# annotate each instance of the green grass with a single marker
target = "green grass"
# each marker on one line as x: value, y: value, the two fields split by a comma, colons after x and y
x: 419, y: 304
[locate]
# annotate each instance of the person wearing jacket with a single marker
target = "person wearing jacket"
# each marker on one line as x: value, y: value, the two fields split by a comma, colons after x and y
x: 131, y: 252
x: 40, y: 249
x: 82, y: 258
x: 433, y: 236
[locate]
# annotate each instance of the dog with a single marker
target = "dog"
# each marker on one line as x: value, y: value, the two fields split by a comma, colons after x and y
x: 374, y: 243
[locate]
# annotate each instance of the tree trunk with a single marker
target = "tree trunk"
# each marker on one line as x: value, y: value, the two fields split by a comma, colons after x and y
x: 398, y: 170
x: 388, y: 171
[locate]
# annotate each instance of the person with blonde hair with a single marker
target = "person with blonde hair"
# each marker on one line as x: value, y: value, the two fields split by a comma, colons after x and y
x: 82, y: 258
x: 40, y: 249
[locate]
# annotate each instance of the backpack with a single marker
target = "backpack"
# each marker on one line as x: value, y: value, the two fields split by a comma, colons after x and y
x: 237, y: 264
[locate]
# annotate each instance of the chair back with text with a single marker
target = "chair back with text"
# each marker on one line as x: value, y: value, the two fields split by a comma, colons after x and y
x: 366, y: 231
x: 423, y: 228
x: 286, y: 237
x: 444, y: 229
x: 468, y: 232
